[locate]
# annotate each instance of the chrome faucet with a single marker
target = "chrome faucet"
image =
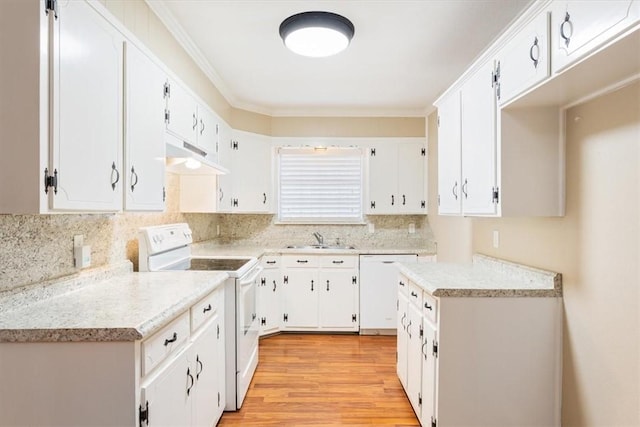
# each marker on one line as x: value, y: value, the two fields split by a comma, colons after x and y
x: 319, y: 238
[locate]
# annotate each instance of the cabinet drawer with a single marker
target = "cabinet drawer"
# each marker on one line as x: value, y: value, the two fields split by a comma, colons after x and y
x: 403, y: 284
x: 204, y: 309
x: 430, y: 307
x: 270, y: 261
x: 339, y: 261
x: 162, y: 343
x: 300, y: 261
x: 415, y: 294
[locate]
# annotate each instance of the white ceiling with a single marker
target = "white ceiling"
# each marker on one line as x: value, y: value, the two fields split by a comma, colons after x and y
x: 404, y: 54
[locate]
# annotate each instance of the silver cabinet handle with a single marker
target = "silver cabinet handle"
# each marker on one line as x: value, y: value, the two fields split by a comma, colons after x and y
x: 201, y: 126
x: 464, y: 189
x: 114, y: 182
x: 134, y: 175
x: 195, y: 121
x: 454, y: 190
x: 221, y: 194
x: 536, y: 48
x: 568, y: 25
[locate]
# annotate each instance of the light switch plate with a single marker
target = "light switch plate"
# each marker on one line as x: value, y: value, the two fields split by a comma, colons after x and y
x: 412, y: 228
x: 372, y: 228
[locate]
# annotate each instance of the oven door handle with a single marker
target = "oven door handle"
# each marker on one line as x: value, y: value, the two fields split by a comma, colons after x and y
x: 248, y: 281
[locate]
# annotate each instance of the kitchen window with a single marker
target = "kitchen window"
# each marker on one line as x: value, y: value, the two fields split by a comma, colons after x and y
x: 320, y: 185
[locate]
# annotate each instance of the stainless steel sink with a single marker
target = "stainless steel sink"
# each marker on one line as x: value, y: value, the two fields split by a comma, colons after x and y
x: 319, y: 247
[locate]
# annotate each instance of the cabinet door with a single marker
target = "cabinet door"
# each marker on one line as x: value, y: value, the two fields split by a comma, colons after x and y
x: 414, y: 357
x: 208, y: 132
x: 411, y: 196
x: 524, y: 61
x: 338, y: 299
x: 449, y: 156
x: 402, y: 340
x: 183, y: 110
x: 205, y: 361
x: 224, y: 158
x: 144, y: 137
x: 269, y: 312
x: 166, y: 394
x: 251, y: 173
x: 478, y: 143
x: 300, y: 298
x: 428, y: 374
x: 87, y: 110
x: 580, y: 27
x: 383, y: 179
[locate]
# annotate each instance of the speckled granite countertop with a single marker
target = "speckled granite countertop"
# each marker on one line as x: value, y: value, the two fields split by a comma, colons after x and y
x: 124, y: 307
x: 486, y: 277
x: 209, y: 248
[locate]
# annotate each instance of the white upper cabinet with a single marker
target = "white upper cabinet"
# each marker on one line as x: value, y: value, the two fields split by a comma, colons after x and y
x: 248, y: 186
x: 182, y: 113
x: 478, y: 136
x: 87, y: 88
x: 224, y: 182
x: 144, y: 132
x: 396, y: 178
x: 580, y: 27
x: 449, y: 156
x: 191, y: 122
x: 524, y: 61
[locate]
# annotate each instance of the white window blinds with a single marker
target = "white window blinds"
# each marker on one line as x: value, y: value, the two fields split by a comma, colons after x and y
x: 320, y: 185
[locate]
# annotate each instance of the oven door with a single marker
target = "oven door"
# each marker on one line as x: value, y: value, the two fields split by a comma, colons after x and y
x: 246, y: 331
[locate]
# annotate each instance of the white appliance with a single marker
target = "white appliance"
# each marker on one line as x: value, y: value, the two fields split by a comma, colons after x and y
x: 168, y: 247
x: 379, y: 291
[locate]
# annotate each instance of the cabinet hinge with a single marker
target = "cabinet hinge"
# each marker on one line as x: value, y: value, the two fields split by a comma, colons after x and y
x: 433, y: 421
x: 423, y: 204
x: 419, y: 399
x: 354, y: 280
x: 373, y: 205
x: 495, y: 194
x: 234, y: 145
x: 285, y: 317
x: 217, y: 331
x: 167, y: 90
x: 217, y: 132
x: 421, y: 331
x: 164, y: 194
x: 263, y: 321
x: 167, y: 116
x: 435, y: 349
x: 143, y: 414
x: 372, y: 152
x: 51, y: 6
x: 495, y: 80
x: 438, y: 200
x: 50, y: 181
x: 423, y: 152
x: 354, y: 318
x: 234, y: 203
x: 218, y: 399
x: 438, y: 121
x: 286, y: 280
x: 263, y: 281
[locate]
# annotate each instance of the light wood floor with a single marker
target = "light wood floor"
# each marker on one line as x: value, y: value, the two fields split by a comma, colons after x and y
x: 325, y: 380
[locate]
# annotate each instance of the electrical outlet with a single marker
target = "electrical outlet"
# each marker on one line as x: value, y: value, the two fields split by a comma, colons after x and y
x: 217, y: 229
x: 412, y: 228
x: 372, y: 228
x: 496, y: 239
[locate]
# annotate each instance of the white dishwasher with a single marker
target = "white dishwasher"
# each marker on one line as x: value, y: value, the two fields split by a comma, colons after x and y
x: 379, y: 292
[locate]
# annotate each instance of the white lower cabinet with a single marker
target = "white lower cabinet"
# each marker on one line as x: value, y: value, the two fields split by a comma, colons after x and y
x: 269, y: 312
x: 478, y: 361
x: 173, y: 378
x: 320, y: 293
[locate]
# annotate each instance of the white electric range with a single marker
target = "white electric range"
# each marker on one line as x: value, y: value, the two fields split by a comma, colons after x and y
x: 168, y: 248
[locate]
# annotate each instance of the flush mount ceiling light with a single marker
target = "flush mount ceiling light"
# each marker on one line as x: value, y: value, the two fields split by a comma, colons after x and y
x: 316, y: 34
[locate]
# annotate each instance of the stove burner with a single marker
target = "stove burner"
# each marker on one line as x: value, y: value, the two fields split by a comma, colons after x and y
x: 216, y: 264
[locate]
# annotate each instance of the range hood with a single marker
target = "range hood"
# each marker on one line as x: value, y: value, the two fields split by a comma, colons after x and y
x: 187, y: 159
